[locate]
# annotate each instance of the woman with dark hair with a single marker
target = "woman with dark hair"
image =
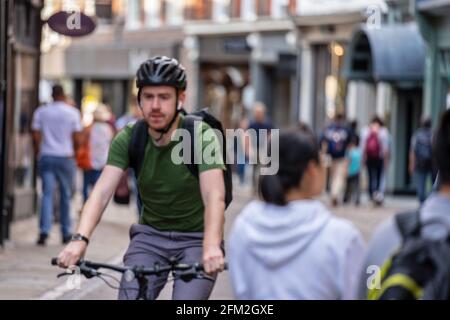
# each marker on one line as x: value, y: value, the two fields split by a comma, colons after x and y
x: 289, y: 246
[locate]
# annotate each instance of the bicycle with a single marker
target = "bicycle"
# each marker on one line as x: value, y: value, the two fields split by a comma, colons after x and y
x: 183, y: 271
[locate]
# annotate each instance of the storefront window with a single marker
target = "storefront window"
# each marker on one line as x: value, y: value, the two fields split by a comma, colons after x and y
x: 335, y: 83
x: 23, y: 155
x: 103, y: 11
x: 92, y: 96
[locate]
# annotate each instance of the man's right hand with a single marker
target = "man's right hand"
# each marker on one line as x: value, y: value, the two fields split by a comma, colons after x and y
x: 71, y: 254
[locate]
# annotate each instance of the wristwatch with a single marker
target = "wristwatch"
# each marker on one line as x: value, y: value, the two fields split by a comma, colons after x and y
x: 79, y: 237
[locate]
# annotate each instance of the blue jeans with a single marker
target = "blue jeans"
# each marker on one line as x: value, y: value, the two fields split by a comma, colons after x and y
x: 90, y: 178
x: 56, y: 170
x: 421, y: 177
x: 375, y: 173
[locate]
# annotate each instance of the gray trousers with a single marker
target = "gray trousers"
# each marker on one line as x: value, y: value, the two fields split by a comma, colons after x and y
x: 148, y: 246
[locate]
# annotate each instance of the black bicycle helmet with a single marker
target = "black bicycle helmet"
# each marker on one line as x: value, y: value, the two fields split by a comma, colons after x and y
x: 161, y: 70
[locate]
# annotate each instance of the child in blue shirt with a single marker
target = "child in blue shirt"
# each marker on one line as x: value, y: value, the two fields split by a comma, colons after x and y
x: 354, y: 156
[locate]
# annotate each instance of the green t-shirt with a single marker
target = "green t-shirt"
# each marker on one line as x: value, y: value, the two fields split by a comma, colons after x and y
x: 170, y: 194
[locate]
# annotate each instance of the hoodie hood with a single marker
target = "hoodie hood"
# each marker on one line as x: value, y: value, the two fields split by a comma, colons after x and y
x: 278, y: 234
x: 435, y: 216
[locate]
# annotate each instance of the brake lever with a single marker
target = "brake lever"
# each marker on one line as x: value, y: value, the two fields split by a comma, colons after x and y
x: 63, y: 274
x: 81, y: 270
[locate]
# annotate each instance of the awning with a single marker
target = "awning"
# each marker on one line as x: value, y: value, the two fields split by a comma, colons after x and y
x: 392, y: 53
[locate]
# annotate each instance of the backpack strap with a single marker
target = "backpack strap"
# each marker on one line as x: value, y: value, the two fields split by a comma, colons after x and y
x: 136, y: 148
x: 189, y: 125
x: 408, y: 223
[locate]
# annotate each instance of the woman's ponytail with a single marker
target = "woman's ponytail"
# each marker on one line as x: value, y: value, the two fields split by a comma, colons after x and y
x: 272, y: 190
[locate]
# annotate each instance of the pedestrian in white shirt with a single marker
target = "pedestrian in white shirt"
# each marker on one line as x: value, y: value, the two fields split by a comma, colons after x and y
x: 56, y: 128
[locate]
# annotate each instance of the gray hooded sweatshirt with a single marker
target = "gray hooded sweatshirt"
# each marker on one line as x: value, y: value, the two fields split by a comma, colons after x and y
x: 434, y: 215
x: 297, y: 251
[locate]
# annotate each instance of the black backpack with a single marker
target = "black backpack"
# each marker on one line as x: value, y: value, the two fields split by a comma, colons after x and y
x: 139, y: 139
x: 420, y: 269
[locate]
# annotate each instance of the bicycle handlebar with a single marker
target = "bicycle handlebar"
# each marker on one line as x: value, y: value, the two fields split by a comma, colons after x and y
x: 184, y: 271
x: 90, y: 269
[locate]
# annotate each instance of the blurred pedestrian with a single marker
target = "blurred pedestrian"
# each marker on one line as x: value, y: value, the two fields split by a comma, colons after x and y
x: 259, y: 126
x: 354, y: 159
x: 335, y: 139
x: 375, y: 147
x: 70, y: 101
x: 420, y: 158
x: 129, y: 118
x: 56, y: 134
x: 241, y: 145
x: 289, y: 246
x: 93, y: 152
x: 354, y: 130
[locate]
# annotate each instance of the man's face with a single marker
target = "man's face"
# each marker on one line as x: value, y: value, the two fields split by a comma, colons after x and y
x: 158, y: 105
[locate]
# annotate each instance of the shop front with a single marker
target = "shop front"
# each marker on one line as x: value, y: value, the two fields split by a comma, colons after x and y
x: 390, y: 61
x: 19, y: 69
x: 323, y: 41
x: 433, y: 18
x: 237, y: 64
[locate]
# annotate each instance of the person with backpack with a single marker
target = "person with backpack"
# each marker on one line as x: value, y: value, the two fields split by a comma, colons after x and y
x: 409, y: 254
x: 335, y: 140
x: 290, y: 246
x: 375, y: 146
x: 183, y: 203
x: 420, y: 158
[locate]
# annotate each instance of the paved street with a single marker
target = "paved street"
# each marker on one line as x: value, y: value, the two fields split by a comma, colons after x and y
x: 25, y: 271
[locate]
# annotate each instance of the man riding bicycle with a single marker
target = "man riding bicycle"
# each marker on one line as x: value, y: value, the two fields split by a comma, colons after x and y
x: 182, y: 215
